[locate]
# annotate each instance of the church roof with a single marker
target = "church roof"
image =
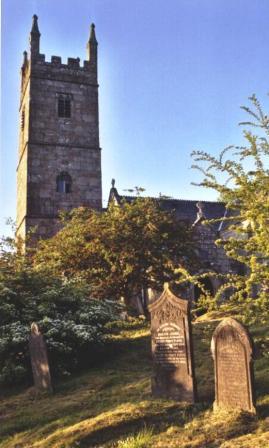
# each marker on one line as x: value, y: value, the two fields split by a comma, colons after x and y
x: 185, y: 209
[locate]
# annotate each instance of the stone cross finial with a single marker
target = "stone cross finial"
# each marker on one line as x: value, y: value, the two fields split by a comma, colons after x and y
x: 113, y: 183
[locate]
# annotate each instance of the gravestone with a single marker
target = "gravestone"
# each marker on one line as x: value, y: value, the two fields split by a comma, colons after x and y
x: 172, y: 348
x: 231, y: 349
x: 39, y: 360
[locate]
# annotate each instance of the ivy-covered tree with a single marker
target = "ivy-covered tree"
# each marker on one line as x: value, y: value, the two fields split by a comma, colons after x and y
x: 241, y: 177
x: 118, y: 251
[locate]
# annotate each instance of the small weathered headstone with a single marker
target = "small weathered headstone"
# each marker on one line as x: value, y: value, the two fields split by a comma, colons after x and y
x: 39, y: 360
x: 231, y: 349
x: 172, y: 348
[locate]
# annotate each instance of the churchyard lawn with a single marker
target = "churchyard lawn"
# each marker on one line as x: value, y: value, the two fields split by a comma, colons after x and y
x: 111, y: 405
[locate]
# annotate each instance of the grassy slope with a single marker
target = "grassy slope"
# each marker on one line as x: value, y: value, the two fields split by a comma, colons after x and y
x: 108, y: 404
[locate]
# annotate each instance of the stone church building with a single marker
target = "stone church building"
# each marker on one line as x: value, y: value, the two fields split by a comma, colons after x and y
x: 59, y: 164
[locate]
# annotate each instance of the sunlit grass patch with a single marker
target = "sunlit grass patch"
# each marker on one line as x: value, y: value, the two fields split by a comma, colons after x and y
x: 141, y: 440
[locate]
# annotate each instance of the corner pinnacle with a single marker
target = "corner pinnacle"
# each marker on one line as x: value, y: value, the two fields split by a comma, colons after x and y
x: 35, y: 29
x: 92, y: 35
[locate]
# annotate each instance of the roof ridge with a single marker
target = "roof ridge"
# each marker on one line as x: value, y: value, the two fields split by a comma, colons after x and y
x: 170, y: 199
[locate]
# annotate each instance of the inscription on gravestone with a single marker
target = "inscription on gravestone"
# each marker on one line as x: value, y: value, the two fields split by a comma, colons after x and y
x: 39, y: 360
x: 172, y: 348
x: 231, y: 348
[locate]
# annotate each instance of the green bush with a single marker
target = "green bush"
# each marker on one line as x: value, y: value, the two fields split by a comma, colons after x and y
x: 74, y: 325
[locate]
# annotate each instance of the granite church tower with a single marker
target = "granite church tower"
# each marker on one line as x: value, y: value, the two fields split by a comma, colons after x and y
x: 59, y: 154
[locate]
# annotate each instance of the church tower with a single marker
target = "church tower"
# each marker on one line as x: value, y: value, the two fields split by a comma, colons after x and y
x: 59, y: 155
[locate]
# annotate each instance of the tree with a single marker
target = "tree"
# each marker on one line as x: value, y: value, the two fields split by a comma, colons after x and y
x: 242, y: 182
x: 118, y: 251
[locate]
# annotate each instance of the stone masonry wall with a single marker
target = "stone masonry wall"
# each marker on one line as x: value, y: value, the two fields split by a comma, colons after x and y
x: 82, y: 165
x: 50, y: 145
x: 212, y: 257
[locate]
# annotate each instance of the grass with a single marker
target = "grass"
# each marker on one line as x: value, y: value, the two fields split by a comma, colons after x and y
x: 140, y: 440
x: 112, y: 407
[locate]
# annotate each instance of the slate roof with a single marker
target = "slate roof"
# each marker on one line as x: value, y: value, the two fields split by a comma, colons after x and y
x: 185, y: 210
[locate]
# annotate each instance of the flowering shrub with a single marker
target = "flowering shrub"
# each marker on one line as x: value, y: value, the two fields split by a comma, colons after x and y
x: 74, y: 325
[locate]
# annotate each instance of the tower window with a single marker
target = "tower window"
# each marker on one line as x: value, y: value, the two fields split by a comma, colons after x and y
x: 63, y: 183
x: 64, y: 106
x: 22, y: 119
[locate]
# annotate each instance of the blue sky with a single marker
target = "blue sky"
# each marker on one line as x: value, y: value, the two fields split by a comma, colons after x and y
x: 172, y: 75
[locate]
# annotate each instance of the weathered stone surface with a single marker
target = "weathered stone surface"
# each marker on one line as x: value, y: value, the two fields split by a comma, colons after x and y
x: 231, y: 348
x: 172, y: 348
x: 39, y: 361
x: 51, y: 144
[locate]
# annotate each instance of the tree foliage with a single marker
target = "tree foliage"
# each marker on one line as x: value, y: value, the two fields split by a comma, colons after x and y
x: 241, y: 177
x: 58, y: 284
x: 73, y: 324
x: 120, y: 250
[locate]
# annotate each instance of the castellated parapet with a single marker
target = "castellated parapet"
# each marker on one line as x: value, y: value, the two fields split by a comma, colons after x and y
x: 59, y: 152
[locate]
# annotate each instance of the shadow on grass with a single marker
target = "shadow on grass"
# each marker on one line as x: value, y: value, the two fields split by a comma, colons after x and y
x: 157, y: 421
x: 122, y: 380
x: 161, y: 421
x: 204, y: 367
x: 211, y: 430
x: 263, y: 410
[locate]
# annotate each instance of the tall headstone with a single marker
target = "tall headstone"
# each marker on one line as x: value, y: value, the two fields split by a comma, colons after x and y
x: 39, y: 360
x: 231, y: 349
x: 172, y: 348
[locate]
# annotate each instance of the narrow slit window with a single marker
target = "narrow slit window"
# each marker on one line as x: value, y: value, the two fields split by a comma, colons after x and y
x: 22, y: 119
x: 63, y: 183
x: 64, y: 106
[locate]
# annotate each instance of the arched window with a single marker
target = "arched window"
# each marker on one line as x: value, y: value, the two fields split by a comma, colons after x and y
x: 64, y: 106
x: 63, y: 183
